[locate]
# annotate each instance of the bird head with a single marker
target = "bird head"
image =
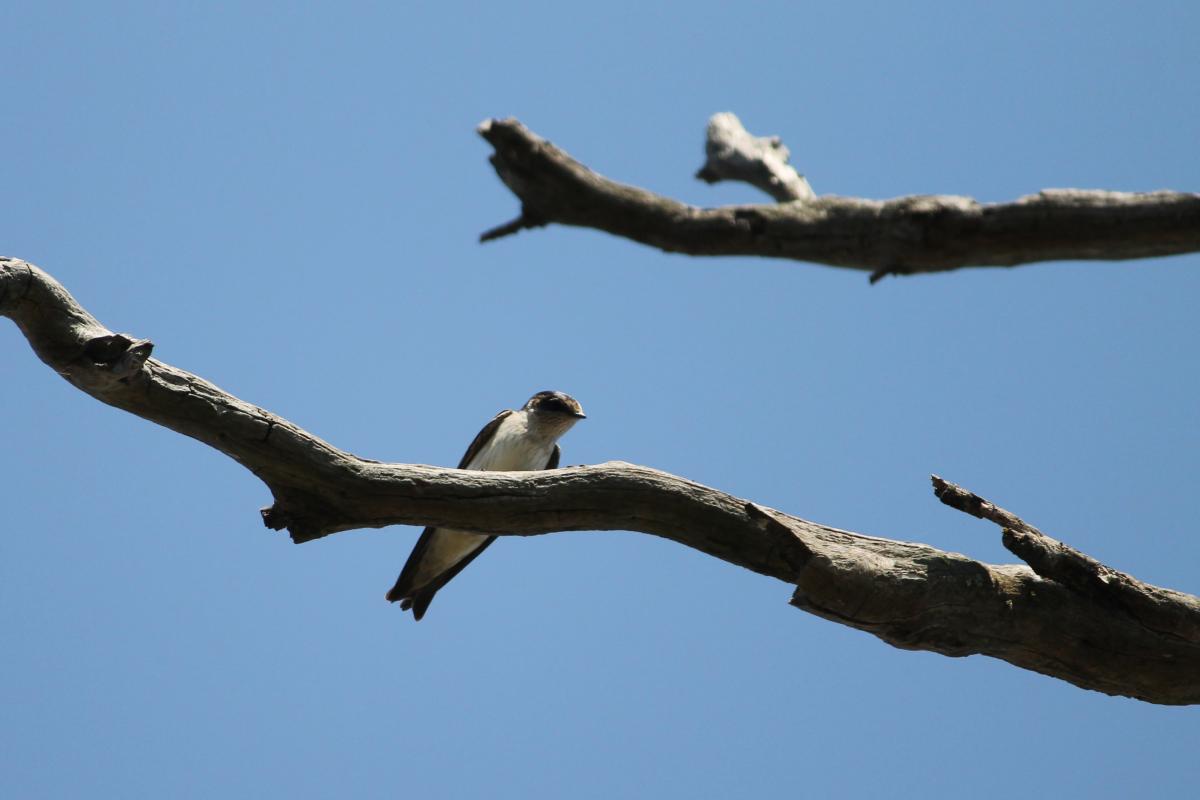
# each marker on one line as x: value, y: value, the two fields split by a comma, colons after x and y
x: 555, y: 405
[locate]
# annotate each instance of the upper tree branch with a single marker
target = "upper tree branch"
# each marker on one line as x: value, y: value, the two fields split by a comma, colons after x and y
x: 906, y: 235
x: 1144, y: 643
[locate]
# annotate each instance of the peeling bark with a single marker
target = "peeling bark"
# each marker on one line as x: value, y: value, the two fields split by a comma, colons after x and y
x: 1069, y: 616
x: 903, y: 236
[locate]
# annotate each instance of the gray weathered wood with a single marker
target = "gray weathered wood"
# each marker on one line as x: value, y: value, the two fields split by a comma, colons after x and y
x: 904, y: 236
x: 1062, y: 620
x: 733, y: 154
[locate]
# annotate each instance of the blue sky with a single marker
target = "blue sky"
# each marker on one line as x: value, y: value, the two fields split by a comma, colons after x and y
x: 286, y: 199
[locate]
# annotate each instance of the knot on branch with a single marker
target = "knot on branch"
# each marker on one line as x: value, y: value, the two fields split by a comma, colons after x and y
x: 121, y: 355
x: 303, y: 514
x: 301, y: 528
x: 274, y: 517
x: 792, y: 547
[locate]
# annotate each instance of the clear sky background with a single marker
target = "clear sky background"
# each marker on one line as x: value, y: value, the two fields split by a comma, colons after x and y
x: 286, y: 199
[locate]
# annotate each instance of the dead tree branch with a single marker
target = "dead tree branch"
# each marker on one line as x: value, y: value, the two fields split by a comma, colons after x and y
x: 904, y: 236
x: 733, y: 154
x: 1068, y: 617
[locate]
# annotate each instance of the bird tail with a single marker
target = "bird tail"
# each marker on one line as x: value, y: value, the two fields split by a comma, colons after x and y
x: 397, y: 594
x: 409, y: 600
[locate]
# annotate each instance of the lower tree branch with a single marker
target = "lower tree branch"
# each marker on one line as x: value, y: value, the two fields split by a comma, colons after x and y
x: 904, y: 236
x: 1068, y: 617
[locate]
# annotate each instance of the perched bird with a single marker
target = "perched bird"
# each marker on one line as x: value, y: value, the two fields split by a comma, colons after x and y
x: 512, y: 441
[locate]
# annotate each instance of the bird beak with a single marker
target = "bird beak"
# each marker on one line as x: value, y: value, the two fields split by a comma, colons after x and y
x: 579, y: 415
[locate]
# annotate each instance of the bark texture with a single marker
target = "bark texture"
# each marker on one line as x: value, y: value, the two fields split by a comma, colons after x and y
x: 1064, y: 615
x: 904, y: 236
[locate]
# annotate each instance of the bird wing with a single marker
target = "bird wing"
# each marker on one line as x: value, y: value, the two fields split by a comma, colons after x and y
x: 483, y: 437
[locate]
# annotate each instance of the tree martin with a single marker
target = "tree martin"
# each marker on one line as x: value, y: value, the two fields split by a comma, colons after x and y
x: 512, y: 441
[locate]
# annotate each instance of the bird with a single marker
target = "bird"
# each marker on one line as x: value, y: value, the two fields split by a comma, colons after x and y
x: 525, y: 439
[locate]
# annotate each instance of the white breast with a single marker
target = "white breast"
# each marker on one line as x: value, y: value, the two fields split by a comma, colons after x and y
x: 514, y: 447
